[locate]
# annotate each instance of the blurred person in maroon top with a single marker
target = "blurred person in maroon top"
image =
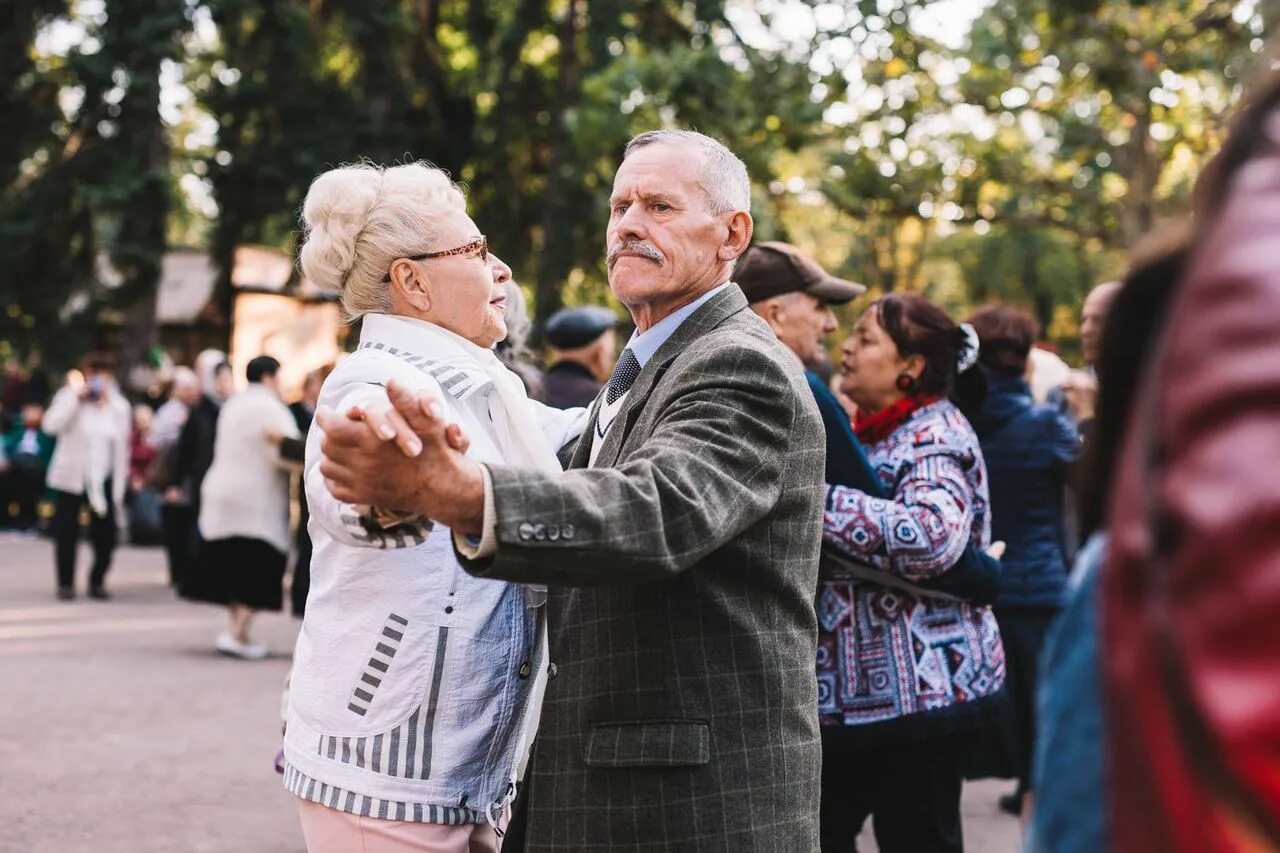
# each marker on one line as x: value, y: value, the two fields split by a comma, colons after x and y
x: 1191, y: 589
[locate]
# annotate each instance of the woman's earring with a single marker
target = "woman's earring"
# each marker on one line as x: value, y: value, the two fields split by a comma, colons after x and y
x: 906, y: 383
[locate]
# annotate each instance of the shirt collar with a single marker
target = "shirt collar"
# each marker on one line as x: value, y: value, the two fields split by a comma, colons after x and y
x: 644, y: 346
x: 456, y: 370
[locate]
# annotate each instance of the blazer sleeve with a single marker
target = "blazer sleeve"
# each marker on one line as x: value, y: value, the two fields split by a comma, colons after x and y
x: 919, y: 533
x: 709, y: 469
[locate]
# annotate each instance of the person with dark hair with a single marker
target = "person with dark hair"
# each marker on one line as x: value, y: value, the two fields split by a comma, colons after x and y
x: 904, y: 673
x: 244, y: 509
x: 190, y: 461
x: 1191, y: 586
x: 89, y: 417
x: 294, y: 450
x: 1029, y: 451
x: 1069, y: 769
x: 26, y: 452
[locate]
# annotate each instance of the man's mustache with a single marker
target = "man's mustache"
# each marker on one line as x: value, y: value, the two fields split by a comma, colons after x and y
x: 637, y: 246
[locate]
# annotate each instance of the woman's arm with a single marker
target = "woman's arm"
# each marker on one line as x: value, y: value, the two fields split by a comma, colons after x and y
x: 347, y: 523
x: 560, y: 426
x: 62, y: 411
x: 918, y: 534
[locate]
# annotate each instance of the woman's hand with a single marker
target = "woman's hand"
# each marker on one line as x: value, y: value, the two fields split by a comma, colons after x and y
x: 388, y: 425
x: 360, y: 467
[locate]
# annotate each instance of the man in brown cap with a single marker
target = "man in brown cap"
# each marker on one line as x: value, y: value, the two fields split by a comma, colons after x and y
x: 794, y: 295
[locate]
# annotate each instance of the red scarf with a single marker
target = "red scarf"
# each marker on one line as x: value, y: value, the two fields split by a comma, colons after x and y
x: 876, y: 427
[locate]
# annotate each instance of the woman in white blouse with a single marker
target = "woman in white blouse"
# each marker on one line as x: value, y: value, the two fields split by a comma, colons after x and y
x: 415, y: 687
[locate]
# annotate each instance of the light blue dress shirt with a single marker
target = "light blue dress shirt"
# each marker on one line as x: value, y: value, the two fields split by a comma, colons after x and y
x: 644, y: 346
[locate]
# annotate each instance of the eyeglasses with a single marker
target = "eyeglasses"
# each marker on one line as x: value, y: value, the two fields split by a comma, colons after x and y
x: 478, y: 248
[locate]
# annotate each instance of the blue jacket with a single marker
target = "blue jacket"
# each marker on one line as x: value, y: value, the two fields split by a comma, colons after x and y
x: 1028, y: 450
x: 1069, y: 771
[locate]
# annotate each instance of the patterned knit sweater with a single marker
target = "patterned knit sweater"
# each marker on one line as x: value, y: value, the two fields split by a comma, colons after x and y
x: 883, y: 653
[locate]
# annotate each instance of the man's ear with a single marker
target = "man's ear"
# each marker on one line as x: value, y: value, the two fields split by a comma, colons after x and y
x: 738, y: 235
x: 771, y: 310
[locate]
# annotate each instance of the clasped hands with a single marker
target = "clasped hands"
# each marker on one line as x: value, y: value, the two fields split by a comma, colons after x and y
x: 403, y: 457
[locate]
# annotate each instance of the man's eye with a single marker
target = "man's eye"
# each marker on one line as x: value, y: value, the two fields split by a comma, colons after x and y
x: 620, y: 208
x: 662, y: 207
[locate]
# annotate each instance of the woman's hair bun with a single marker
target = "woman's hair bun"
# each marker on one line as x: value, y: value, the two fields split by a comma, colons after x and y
x: 333, y: 215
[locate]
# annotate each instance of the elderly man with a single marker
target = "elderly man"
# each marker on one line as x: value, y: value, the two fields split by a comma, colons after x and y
x: 583, y: 350
x: 794, y: 295
x: 1078, y: 396
x: 681, y: 547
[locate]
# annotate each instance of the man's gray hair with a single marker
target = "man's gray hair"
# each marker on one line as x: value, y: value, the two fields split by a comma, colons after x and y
x: 723, y: 176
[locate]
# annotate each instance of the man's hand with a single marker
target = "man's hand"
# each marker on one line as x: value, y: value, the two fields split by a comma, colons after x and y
x: 365, y: 463
x: 1081, y: 391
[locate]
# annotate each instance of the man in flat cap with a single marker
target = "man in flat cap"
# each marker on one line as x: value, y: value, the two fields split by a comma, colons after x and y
x: 583, y: 350
x: 794, y: 295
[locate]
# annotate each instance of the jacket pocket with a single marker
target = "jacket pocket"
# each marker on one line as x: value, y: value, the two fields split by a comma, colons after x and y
x: 379, y: 663
x: 649, y: 743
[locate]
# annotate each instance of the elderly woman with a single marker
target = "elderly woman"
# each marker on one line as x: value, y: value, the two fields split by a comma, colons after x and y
x: 415, y: 687
x: 244, y: 509
x: 901, y: 670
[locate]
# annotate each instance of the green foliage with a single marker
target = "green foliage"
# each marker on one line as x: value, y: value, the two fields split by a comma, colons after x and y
x: 1017, y: 163
x: 86, y: 176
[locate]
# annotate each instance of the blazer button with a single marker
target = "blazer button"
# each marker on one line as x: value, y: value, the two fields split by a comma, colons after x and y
x: 552, y: 669
x: 566, y: 531
x: 553, y: 532
x: 526, y: 669
x: 526, y: 531
x: 539, y: 532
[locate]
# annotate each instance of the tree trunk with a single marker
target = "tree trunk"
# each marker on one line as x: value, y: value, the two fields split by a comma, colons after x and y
x: 557, y: 256
x: 1143, y: 173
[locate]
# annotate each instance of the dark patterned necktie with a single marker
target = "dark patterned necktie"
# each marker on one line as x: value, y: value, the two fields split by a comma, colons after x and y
x: 624, y: 376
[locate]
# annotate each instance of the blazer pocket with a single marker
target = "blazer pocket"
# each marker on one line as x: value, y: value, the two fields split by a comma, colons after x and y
x: 649, y: 743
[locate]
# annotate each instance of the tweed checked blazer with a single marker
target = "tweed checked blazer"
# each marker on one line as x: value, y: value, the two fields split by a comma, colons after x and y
x: 683, y: 568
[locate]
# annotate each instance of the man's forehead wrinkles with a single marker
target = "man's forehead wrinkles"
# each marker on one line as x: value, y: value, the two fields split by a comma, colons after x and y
x: 648, y: 189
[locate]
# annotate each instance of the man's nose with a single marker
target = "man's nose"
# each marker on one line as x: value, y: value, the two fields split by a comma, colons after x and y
x: 631, y: 225
x: 829, y: 323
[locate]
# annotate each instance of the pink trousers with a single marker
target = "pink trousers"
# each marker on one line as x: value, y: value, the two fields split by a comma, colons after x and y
x: 328, y: 830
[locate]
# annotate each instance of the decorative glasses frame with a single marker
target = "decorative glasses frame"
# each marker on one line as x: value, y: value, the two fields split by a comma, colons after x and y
x: 478, y: 247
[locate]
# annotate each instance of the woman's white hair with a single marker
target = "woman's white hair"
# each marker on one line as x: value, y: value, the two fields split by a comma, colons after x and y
x: 357, y: 219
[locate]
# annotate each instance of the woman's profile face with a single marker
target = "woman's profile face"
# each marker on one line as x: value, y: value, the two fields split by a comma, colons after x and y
x: 870, y: 365
x: 467, y: 290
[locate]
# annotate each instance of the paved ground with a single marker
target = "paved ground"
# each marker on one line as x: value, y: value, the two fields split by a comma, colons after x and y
x: 122, y: 731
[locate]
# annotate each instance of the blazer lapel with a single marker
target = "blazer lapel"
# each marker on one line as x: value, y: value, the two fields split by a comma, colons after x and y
x: 706, y: 318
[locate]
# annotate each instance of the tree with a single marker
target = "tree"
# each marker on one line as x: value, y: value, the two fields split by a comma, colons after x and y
x: 86, y: 173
